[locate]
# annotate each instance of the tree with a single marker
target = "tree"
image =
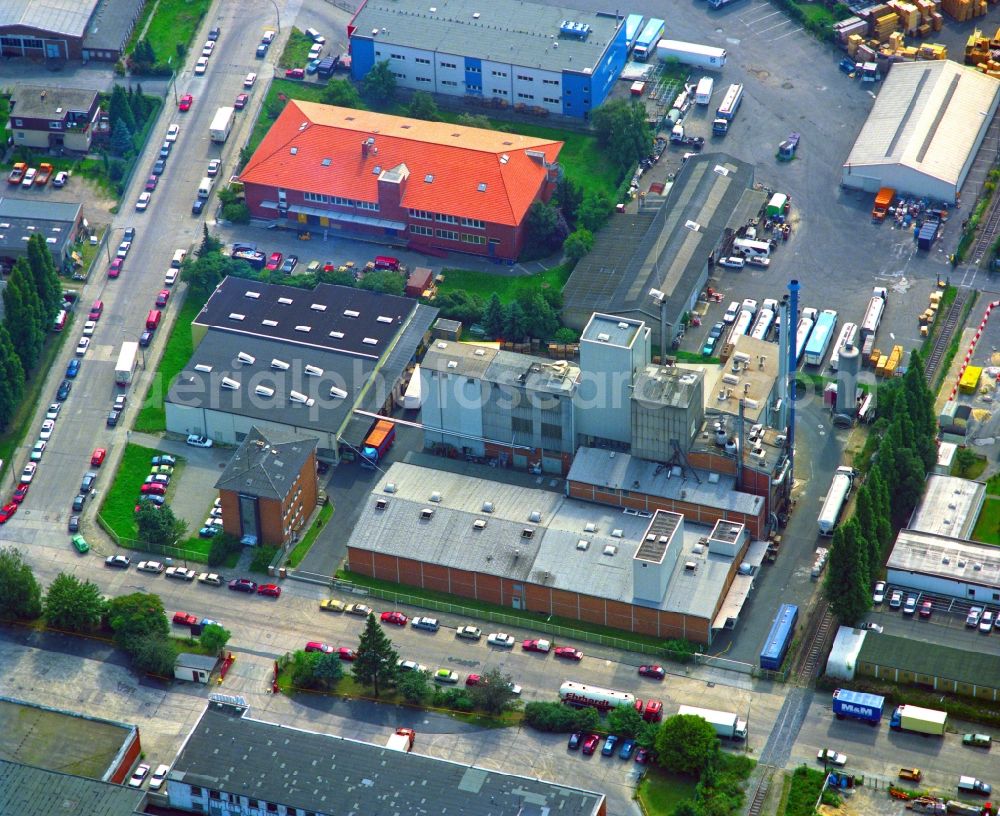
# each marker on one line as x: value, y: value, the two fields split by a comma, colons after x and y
x: 135, y: 617
x: 236, y: 213
x: 423, y: 106
x: 493, y: 692
x: 379, y: 84
x: 11, y: 378
x: 140, y: 105
x: 23, y: 315
x: 375, y: 664
x: 460, y: 305
x: 159, y: 525
x: 341, y: 92
x: 578, y: 244
x: 205, y: 273
x: 566, y: 335
x: 73, y: 605
x: 414, y: 686
x: 623, y: 131
x: 316, y: 670
x: 965, y: 460
x: 625, y: 720
x: 594, y: 210
x: 864, y: 512
x: 121, y: 139
x: 686, y: 744
x: 921, y: 407
x: 385, y: 281
x: 154, y: 654
x: 846, y: 584
x: 209, y: 243
x: 493, y: 317
x: 882, y: 511
x: 119, y: 109
x: 687, y: 807
x: 143, y: 56
x: 515, y: 326
x: 542, y: 228
x: 20, y: 594
x: 46, y: 279
x: 214, y: 638
x: 477, y: 120
x: 540, y: 319
x: 568, y: 195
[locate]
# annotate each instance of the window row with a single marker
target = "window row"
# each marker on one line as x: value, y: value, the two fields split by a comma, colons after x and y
x: 320, y: 198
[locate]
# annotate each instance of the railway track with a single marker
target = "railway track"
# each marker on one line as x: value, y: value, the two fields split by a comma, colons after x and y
x: 944, y: 338
x: 816, y: 646
x: 760, y: 793
x: 987, y: 234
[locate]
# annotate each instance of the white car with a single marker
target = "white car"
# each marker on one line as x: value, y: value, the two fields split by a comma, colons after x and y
x: 268, y: 36
x: 201, y: 66
x: 750, y: 305
x: 160, y: 774
x: 985, y: 622
x: 971, y: 620
x: 53, y: 411
x: 469, y: 632
x: 61, y: 178
x: 249, y: 80
x: 209, y: 47
x: 216, y: 512
x: 29, y: 472
x: 82, y: 346
x: 150, y: 566
x: 138, y: 777
x: 213, y: 167
x: 410, y: 666
x: 89, y: 328
x: 29, y: 177
x: 172, y: 132
x: 831, y: 757
x: 181, y: 573
x: 500, y: 639
x: 514, y: 689
x: 123, y: 249
x: 199, y: 441
x: 879, y: 594
x: 731, y: 312
x: 170, y: 278
x: 38, y: 450
x: 47, y: 427
x: 143, y: 201
x: 210, y: 578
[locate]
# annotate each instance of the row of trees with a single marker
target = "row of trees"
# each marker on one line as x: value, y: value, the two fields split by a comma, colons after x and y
x: 907, y: 450
x: 137, y: 622
x: 31, y: 300
x: 128, y: 112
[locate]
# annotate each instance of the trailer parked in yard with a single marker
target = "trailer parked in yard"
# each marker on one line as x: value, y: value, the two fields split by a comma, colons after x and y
x: 633, y: 28
x: 726, y: 724
x: 822, y: 334
x: 401, y: 740
x: 378, y: 442
x: 686, y: 53
x: 874, y: 312
x: 857, y: 705
x: 802, y: 332
x: 836, y: 498
x: 883, y: 200
x: 727, y: 110
x: 779, y: 638
x: 703, y: 93
x: 848, y: 337
x: 648, y: 38
x: 581, y: 695
x: 920, y: 720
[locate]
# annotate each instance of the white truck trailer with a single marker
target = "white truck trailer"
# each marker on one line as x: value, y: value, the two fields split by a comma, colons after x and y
x: 222, y: 124
x: 726, y: 724
x: 836, y: 497
x: 700, y: 56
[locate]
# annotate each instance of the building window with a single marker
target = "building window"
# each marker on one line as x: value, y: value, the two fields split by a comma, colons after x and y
x: 525, y: 78
x: 472, y: 69
x: 475, y: 88
x: 252, y: 803
x: 55, y: 125
x: 550, y: 81
x: 473, y: 239
x: 368, y: 205
x: 475, y: 223
x: 551, y: 431
x: 449, y: 235
x: 423, y: 79
x: 18, y: 123
x: 449, y: 82
x: 502, y: 74
x: 499, y: 92
x: 448, y: 65
x: 272, y: 808
x: 551, y: 100
x: 525, y: 96
x: 422, y: 60
x: 418, y: 230
x: 399, y: 57
x: 399, y: 76
x: 214, y: 795
x: 423, y: 215
x: 520, y: 425
x: 195, y: 790
x: 447, y: 219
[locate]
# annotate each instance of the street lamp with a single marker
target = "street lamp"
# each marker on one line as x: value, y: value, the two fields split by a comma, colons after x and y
x: 173, y: 80
x: 660, y: 298
x: 277, y: 14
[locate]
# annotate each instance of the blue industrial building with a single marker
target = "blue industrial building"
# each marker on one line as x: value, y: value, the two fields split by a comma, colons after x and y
x: 506, y: 53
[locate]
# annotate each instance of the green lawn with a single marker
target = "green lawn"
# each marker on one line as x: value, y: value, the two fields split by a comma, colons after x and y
x: 296, y: 53
x: 118, y: 508
x: 174, y: 23
x: 485, y: 284
x: 295, y: 556
x: 803, y: 792
x: 178, y: 351
x: 661, y: 791
x: 988, y: 525
x: 4, y: 111
x: 582, y: 158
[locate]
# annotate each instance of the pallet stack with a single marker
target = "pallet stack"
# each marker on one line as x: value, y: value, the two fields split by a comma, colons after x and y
x: 964, y: 10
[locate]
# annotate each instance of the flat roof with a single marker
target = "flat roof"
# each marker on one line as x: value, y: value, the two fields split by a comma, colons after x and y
x: 506, y: 31
x: 654, y: 543
x: 67, y: 17
x: 753, y: 383
x: 609, y: 330
x: 336, y: 318
x: 672, y: 253
x: 111, y: 24
x: 928, y: 117
x: 57, y: 740
x: 916, y: 655
x: 950, y: 506
x: 504, y: 368
x: 20, y: 219
x: 951, y: 558
x: 30, y: 791
x: 622, y: 471
x: 573, y: 545
x: 50, y: 102
x: 217, y: 359
x: 252, y: 758
x: 667, y: 386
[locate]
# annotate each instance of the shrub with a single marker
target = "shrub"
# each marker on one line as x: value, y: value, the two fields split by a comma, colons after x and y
x: 453, y: 698
x: 236, y: 213
x: 262, y: 558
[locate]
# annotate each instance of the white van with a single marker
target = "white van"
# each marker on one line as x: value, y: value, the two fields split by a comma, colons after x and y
x: 171, y: 277
x: 753, y: 249
x: 205, y: 187
x: 178, y: 259
x: 703, y: 93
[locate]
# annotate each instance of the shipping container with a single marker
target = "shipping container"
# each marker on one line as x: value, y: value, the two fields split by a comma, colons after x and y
x: 858, y: 705
x: 779, y: 638
x: 848, y: 337
x: 822, y: 334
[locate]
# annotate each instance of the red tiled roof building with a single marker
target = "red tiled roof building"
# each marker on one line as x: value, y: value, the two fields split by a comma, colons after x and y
x: 427, y: 184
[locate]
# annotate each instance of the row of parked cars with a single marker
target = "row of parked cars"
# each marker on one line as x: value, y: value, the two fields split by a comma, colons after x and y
x: 625, y: 748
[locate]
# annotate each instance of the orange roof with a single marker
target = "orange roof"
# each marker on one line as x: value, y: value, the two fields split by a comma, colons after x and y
x: 453, y: 170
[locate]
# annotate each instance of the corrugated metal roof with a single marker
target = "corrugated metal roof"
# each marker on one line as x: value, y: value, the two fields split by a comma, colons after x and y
x: 67, y: 17
x: 927, y: 117
x: 925, y: 659
x: 29, y: 791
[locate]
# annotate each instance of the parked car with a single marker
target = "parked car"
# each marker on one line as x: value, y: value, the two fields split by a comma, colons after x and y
x: 971, y: 620
x: 210, y: 578
x: 151, y: 183
x: 163, y: 459
x: 241, y: 101
x: 61, y: 178
x: 97, y: 457
x: 896, y: 599
x: 986, y: 622
x: 732, y: 312
x: 199, y: 441
x: 911, y: 605
x: 569, y: 653
x: 139, y: 776
x: 395, y: 618
x: 500, y: 639
x: 115, y: 269
x: 879, y: 595
x: 186, y: 102
x: 74, y: 524
x: 80, y: 543
x: 289, y: 264
x: 143, y: 202
x: 243, y: 585
x: 37, y: 450
x: 831, y: 757
x: 536, y: 645
x: 271, y: 590
x: 117, y: 561
x: 712, y: 340
x: 590, y: 744
x: 331, y: 605
x: 428, y: 624
x: 163, y: 297
x: 609, y: 744
x: 78, y: 501
x: 627, y: 749
x: 469, y: 632
x: 344, y: 653
x: 249, y: 80
x: 159, y: 777
x: 274, y: 261
x: 926, y: 608
x: 150, y: 566
x: 181, y: 573
x: 295, y: 73
x: 28, y: 473
x: 20, y: 493
x: 445, y: 676
x: 574, y: 740
x: 358, y: 609
x: 201, y: 66
x: 7, y: 511
x: 213, y: 167
x: 977, y: 740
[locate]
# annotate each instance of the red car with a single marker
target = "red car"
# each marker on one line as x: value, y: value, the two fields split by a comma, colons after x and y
x: 295, y: 73
x: 398, y: 618
x: 656, y: 672
x: 186, y: 101
x: 269, y: 589
x: 116, y: 268
x: 185, y: 619
x: 536, y: 645
x: 7, y: 511
x: 346, y: 654
x: 151, y: 183
x: 925, y: 608
x: 274, y: 261
x: 97, y: 457
x: 163, y: 297
x: 241, y: 101
x: 155, y: 488
x: 473, y: 680
x: 569, y: 653
x: 20, y: 493
x: 643, y: 755
x: 590, y: 744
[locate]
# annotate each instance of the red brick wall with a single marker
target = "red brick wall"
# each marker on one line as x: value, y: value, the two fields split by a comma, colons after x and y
x: 123, y: 770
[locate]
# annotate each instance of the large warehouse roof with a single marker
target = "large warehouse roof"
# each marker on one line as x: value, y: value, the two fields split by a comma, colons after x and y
x: 66, y: 17
x: 928, y: 118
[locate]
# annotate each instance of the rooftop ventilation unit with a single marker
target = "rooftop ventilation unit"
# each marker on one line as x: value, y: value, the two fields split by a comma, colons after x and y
x: 390, y: 487
x: 453, y: 364
x: 302, y: 399
x: 441, y: 344
x: 427, y: 513
x: 488, y: 507
x: 285, y: 301
x: 582, y: 544
x: 527, y: 532
x: 535, y: 516
x: 231, y: 384
x: 436, y: 497
x: 480, y: 352
x: 610, y: 549
x: 339, y: 393
x: 279, y: 365
x: 243, y: 357
x: 314, y: 371
x: 479, y: 524
x: 590, y: 527
x: 690, y: 566
x: 251, y: 294
x: 623, y: 325
x: 351, y: 313
x: 713, y: 478
x: 318, y: 307
x: 604, y: 337
x: 264, y: 391
x: 617, y: 533
x: 381, y: 504
x: 203, y: 368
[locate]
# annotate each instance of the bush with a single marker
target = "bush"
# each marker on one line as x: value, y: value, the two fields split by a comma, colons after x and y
x: 680, y: 651
x: 262, y: 558
x: 561, y: 719
x: 453, y: 698
x: 222, y: 546
x: 236, y: 213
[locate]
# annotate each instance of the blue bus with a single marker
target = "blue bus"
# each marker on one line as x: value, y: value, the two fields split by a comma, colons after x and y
x: 779, y: 638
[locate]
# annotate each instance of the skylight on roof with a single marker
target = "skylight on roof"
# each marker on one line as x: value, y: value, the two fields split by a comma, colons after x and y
x: 429, y: 178
x: 504, y: 159
x: 318, y: 307
x: 370, y: 341
x: 303, y: 328
x: 203, y: 367
x: 251, y: 294
x: 231, y: 384
x: 236, y: 316
x: 351, y: 313
x: 269, y: 322
x: 481, y: 186
x: 337, y: 335
x: 314, y: 371
x: 326, y: 162
x: 384, y: 319
x: 376, y: 169
x: 294, y: 151
x: 286, y: 301
x: 281, y: 365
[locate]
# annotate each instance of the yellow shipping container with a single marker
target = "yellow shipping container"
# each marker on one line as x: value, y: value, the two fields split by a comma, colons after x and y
x: 880, y: 366
x: 970, y: 379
